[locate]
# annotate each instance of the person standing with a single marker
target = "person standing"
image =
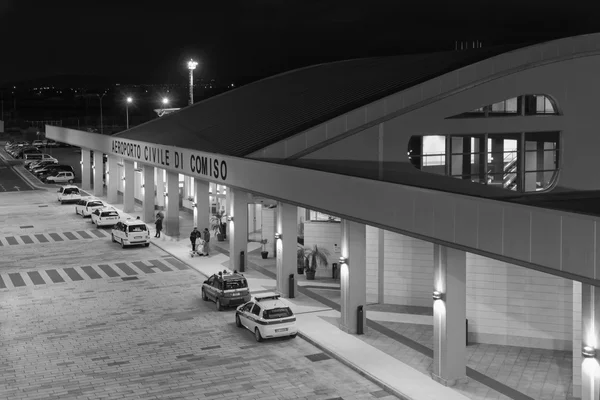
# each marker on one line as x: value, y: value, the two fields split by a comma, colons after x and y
x: 206, y: 238
x: 159, y: 226
x: 193, y: 237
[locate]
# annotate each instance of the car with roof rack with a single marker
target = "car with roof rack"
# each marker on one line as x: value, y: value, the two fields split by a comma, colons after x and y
x: 226, y: 288
x: 267, y: 316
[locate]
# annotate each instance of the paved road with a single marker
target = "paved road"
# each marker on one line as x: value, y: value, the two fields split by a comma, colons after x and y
x: 10, y: 181
x: 73, y: 328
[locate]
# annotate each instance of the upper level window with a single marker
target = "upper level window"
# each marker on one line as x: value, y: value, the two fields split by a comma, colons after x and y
x: 319, y: 216
x: 530, y: 104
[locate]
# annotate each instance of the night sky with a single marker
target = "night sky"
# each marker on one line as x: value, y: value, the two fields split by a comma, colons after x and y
x: 238, y: 40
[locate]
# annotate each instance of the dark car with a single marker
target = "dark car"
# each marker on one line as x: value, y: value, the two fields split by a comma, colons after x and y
x: 226, y: 289
x: 53, y: 170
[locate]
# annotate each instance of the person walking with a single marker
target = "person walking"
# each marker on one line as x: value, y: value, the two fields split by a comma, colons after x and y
x: 193, y: 237
x: 206, y: 238
x: 159, y: 226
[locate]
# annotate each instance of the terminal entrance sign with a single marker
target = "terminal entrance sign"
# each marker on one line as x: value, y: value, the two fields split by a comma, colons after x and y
x: 186, y: 162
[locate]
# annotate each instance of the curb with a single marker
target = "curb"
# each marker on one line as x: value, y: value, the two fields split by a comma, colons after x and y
x: 26, y: 178
x: 179, y: 259
x: 354, y: 367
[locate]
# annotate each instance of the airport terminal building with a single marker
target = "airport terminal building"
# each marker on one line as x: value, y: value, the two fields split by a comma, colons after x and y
x: 461, y: 181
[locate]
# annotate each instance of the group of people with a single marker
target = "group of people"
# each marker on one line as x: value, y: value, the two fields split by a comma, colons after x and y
x: 204, y: 239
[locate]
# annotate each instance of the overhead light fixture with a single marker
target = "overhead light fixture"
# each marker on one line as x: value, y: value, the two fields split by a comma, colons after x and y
x: 166, y: 194
x: 588, y: 352
x: 229, y: 218
x: 437, y: 295
x: 194, y: 205
x: 123, y: 178
x: 81, y: 162
x: 343, y: 260
x: 277, y: 235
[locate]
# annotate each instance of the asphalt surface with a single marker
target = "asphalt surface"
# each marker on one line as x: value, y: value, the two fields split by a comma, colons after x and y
x: 10, y: 181
x: 84, y: 319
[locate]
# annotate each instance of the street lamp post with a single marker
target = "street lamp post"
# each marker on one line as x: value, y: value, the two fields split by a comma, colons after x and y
x: 128, y: 100
x: 192, y: 66
x: 101, y: 124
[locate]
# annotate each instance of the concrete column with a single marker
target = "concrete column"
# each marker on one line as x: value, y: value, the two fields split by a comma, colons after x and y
x: 577, y: 358
x: 148, y: 194
x: 381, y: 266
x: 202, y: 200
x: 98, y: 171
x: 129, y: 187
x: 449, y: 316
x: 172, y: 205
x: 160, y: 187
x: 237, y: 230
x: 287, y: 226
x: 112, y: 180
x: 353, y: 274
x: 86, y: 175
x: 590, y: 336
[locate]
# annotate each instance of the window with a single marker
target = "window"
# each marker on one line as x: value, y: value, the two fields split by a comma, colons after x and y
x: 509, y: 106
x: 319, y: 216
x: 530, y: 104
x: 94, y: 204
x: 137, y: 228
x: 109, y: 213
x: 276, y: 313
x: 539, y: 104
x: 248, y: 307
x: 256, y: 309
x: 525, y: 162
x: 235, y: 284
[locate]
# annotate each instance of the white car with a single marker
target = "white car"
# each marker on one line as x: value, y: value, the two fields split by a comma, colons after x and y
x: 267, y: 316
x: 131, y: 232
x: 86, y: 206
x: 68, y: 194
x: 106, y: 216
x: 61, y: 177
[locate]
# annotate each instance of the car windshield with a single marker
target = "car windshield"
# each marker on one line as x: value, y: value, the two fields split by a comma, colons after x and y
x: 281, y: 312
x: 235, y: 284
x: 71, y: 191
x: 137, y: 228
x: 110, y: 214
x: 95, y: 204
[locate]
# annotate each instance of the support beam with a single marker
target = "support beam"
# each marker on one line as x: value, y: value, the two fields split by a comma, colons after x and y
x: 160, y: 188
x: 237, y: 230
x: 353, y: 275
x: 86, y: 174
x: 148, y: 194
x: 112, y: 180
x: 287, y: 227
x: 590, y: 337
x: 98, y: 171
x: 128, y: 187
x: 202, y: 200
x: 172, y: 205
x: 449, y: 316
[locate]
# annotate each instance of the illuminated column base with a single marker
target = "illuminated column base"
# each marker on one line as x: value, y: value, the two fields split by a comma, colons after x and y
x: 86, y: 173
x: 237, y: 229
x: 171, y: 222
x: 353, y: 275
x: 98, y: 171
x: 449, y: 316
x: 202, y: 209
x: 112, y: 180
x: 577, y: 358
x: 287, y: 227
x: 590, y: 337
x: 129, y: 186
x: 160, y: 187
x: 148, y: 194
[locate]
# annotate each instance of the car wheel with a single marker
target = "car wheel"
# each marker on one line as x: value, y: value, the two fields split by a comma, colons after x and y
x: 62, y: 202
x: 122, y: 244
x: 293, y: 336
x: 70, y: 181
x: 112, y: 236
x: 257, y: 335
x: 218, y: 305
x: 238, y: 323
x: 146, y: 244
x: 204, y: 296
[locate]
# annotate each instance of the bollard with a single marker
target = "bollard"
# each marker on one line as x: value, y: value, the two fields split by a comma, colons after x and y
x: 242, y: 263
x: 359, y: 320
x: 467, y: 332
x: 334, y: 271
x: 291, y: 286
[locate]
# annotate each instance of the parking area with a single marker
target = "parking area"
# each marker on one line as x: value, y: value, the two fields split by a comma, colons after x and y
x: 83, y: 318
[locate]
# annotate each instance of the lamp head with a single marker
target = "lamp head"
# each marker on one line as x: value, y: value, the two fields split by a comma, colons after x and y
x: 129, y: 100
x: 192, y: 64
x: 165, y: 100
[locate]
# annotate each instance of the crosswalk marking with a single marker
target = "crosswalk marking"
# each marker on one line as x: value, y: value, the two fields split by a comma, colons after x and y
x: 88, y: 272
x: 39, y: 238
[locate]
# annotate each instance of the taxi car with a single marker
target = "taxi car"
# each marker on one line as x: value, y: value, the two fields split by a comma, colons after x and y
x: 68, y: 193
x: 106, y: 216
x: 226, y: 289
x: 86, y: 206
x: 267, y: 316
x: 131, y: 232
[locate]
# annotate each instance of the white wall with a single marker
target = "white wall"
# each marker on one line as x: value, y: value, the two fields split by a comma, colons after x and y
x: 577, y: 339
x: 268, y: 228
x: 372, y: 264
x: 325, y: 235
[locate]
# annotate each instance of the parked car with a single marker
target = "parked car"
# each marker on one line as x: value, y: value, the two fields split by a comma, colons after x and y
x: 27, y: 150
x: 226, y: 289
x: 41, y: 164
x: 29, y: 158
x: 37, y: 143
x: 131, y: 232
x: 267, y: 316
x: 68, y: 193
x: 86, y: 206
x: 106, y: 216
x: 51, y: 170
x: 61, y: 177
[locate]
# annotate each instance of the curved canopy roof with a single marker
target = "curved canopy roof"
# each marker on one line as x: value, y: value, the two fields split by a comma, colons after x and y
x: 254, y: 116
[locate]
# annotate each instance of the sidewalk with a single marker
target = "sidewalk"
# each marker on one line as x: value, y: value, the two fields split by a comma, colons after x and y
x: 394, y: 376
